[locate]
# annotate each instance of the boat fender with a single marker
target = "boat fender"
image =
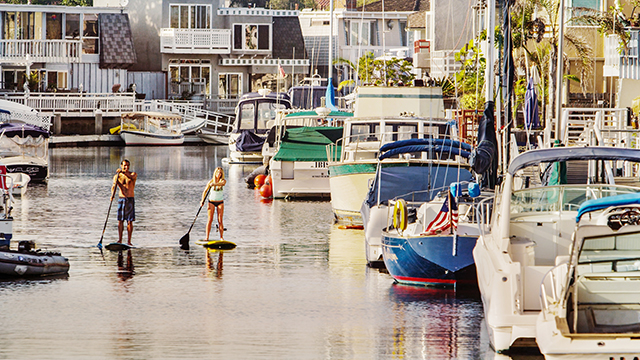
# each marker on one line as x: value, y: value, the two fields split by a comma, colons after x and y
x: 400, y: 215
x: 474, y: 189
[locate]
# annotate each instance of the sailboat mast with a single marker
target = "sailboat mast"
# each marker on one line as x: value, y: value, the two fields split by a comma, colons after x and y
x: 330, y: 75
x: 559, y: 71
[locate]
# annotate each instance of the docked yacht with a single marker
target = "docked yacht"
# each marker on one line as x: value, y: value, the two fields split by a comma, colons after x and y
x: 533, y: 229
x: 24, y: 148
x: 297, y: 154
x: 590, y: 301
x: 382, y: 115
x: 255, y: 115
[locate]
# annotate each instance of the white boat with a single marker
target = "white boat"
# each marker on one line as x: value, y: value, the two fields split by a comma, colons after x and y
x: 26, y: 260
x: 590, y: 307
x: 192, y: 126
x: 151, y: 128
x: 382, y: 115
x: 24, y: 148
x: 532, y: 230
x: 255, y: 115
x: 20, y: 181
x: 298, y: 155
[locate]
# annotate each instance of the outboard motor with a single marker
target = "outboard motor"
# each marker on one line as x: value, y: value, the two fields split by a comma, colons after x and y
x: 26, y: 246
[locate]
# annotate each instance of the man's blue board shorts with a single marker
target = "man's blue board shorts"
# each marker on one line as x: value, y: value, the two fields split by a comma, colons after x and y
x: 126, y: 209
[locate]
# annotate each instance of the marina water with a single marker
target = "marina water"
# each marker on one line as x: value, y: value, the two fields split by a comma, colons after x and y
x: 296, y: 287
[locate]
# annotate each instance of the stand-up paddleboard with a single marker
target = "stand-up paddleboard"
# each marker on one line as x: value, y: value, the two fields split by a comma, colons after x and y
x: 216, y: 244
x: 118, y: 246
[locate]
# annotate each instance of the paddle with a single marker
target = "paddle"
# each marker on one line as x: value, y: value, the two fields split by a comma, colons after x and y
x: 184, y: 241
x: 113, y: 194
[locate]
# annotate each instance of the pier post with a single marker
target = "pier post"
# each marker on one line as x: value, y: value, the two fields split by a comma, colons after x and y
x: 57, y: 124
x: 98, y: 122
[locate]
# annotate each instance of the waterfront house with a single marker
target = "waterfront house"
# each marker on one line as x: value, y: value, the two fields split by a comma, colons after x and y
x: 64, y: 49
x: 216, y: 53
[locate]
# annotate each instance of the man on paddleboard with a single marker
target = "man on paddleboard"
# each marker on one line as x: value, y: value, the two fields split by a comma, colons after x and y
x: 126, y: 182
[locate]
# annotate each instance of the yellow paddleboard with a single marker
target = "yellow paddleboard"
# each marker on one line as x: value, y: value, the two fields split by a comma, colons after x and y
x: 216, y: 244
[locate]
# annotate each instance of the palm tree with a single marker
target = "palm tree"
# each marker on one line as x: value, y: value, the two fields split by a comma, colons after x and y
x: 536, y: 27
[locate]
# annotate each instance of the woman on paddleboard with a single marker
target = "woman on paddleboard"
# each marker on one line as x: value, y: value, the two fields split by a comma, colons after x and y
x: 213, y: 192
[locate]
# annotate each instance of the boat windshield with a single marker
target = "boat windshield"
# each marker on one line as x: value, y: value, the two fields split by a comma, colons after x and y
x: 267, y: 111
x: 562, y: 197
x: 614, y: 253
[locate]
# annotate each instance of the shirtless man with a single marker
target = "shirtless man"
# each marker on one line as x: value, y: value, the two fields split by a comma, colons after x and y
x: 126, y: 182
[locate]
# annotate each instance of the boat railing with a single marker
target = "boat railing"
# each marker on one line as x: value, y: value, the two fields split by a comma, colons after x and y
x: 484, y: 212
x: 220, y: 123
x: 553, y: 285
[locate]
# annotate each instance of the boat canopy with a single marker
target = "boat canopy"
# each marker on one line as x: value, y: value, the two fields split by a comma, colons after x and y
x: 22, y: 130
x: 428, y: 141
x: 307, y: 143
x: 421, y: 181
x: 606, y: 202
x: 537, y: 156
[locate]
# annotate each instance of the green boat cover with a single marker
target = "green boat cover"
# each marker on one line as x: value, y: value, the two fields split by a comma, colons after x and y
x: 307, y: 143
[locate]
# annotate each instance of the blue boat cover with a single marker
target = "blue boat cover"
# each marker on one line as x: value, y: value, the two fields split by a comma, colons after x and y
x: 22, y: 130
x: 424, y: 180
x: 437, y: 149
x: 605, y: 202
x: 248, y: 141
x: 428, y: 141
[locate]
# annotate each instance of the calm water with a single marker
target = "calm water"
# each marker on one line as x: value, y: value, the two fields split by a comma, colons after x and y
x: 296, y: 287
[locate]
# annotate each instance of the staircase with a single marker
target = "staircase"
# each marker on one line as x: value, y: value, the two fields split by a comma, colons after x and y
x: 194, y: 117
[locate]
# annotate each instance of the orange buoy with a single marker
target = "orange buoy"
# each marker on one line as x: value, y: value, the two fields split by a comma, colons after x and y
x: 266, y: 191
x: 268, y: 180
x: 258, y: 181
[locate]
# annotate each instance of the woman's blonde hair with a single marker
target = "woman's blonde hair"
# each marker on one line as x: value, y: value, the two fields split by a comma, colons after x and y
x: 217, y: 188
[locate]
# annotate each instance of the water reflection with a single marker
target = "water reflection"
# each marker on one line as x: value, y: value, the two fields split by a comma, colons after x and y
x: 295, y: 287
x: 125, y: 268
x: 215, y: 265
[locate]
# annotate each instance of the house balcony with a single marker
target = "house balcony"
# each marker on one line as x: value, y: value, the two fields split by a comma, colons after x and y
x: 45, y: 51
x: 195, y: 41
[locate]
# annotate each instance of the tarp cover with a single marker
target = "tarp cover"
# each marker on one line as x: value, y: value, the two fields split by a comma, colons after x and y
x: 307, y: 143
x: 248, y: 141
x: 606, y: 202
x: 22, y: 130
x: 401, y: 179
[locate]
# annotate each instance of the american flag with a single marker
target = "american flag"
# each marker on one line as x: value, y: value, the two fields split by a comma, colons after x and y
x: 281, y: 70
x: 441, y: 222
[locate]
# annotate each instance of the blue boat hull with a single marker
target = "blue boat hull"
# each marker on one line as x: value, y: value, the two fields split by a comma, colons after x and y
x: 430, y: 260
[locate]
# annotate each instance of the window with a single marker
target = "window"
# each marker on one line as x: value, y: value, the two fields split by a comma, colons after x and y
x: 229, y: 85
x: 190, y: 16
x: 190, y: 77
x: 247, y: 116
x: 54, y: 26
x: 362, y: 33
x: 72, y: 27
x: 251, y: 37
x: 403, y: 33
x: 56, y: 80
x: 589, y: 4
x: 19, y: 25
x: 90, y: 38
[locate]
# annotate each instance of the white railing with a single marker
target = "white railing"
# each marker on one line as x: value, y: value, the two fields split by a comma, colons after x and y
x: 76, y: 104
x: 553, y: 287
x: 189, y: 112
x: 195, y: 41
x: 577, y: 122
x: 51, y: 51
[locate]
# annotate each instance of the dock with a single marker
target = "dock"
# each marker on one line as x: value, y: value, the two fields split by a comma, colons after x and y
x: 58, y: 141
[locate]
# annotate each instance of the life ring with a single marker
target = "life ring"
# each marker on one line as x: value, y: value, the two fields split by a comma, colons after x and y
x: 400, y: 215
